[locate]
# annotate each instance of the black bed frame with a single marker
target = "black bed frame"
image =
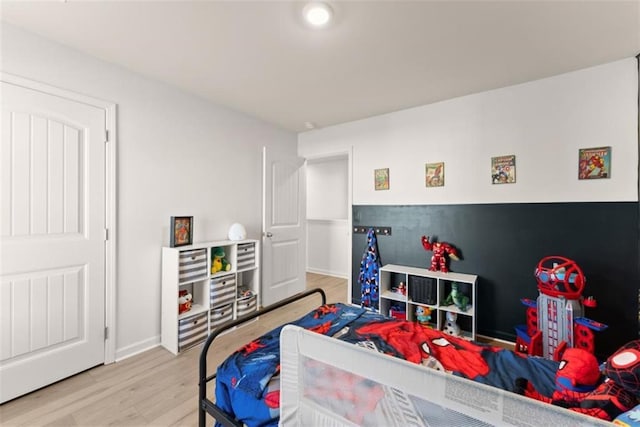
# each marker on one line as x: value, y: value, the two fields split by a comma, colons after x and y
x: 207, y: 406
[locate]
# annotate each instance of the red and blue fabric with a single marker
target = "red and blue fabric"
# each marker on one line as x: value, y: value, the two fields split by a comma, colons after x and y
x: 369, y: 277
x: 242, y: 381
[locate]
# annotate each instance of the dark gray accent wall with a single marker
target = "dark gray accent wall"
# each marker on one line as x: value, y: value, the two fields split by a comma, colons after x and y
x: 503, y: 243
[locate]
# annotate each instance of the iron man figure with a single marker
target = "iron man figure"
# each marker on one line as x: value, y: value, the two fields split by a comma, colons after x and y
x: 440, y: 251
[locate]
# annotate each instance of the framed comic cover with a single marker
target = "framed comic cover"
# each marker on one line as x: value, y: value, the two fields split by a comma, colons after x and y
x: 434, y: 174
x: 381, y: 179
x: 503, y: 169
x: 594, y: 163
x: 181, y: 231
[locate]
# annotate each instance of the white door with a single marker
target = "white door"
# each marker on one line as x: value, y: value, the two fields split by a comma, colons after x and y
x: 52, y: 223
x: 283, y: 219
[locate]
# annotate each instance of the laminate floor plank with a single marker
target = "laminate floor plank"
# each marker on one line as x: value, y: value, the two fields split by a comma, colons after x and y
x: 153, y: 388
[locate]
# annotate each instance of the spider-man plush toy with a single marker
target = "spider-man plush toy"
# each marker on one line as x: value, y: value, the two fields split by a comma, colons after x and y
x: 578, y: 385
x: 578, y: 375
x: 621, y: 388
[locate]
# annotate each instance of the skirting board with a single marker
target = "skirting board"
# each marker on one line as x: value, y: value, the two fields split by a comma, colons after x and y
x: 328, y: 273
x: 137, y: 348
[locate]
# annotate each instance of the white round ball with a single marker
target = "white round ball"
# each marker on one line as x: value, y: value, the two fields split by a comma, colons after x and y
x: 237, y: 232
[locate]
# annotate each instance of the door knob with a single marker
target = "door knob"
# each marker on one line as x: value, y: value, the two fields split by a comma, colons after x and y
x: 268, y: 234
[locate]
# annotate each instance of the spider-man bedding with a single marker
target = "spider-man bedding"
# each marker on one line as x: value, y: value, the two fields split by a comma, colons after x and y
x: 247, y: 386
x: 244, y: 386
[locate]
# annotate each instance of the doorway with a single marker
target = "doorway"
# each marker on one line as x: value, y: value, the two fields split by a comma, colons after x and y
x: 329, y: 215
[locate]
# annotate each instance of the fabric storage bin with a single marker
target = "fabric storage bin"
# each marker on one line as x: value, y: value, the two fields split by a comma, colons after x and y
x: 192, y: 330
x: 246, y: 255
x: 222, y: 290
x: 192, y: 265
x: 422, y: 289
x: 221, y: 315
x: 247, y: 305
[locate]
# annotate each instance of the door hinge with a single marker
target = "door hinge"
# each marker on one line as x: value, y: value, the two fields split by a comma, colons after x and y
x: 106, y: 234
x: 106, y: 333
x: 106, y: 135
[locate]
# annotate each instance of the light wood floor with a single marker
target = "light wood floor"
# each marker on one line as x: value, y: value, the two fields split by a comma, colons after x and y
x: 154, y: 388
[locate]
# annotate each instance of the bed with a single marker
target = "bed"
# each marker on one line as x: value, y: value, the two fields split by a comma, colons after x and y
x: 207, y: 406
x: 341, y: 365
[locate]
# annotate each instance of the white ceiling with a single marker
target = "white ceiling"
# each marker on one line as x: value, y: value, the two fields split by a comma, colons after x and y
x: 257, y: 57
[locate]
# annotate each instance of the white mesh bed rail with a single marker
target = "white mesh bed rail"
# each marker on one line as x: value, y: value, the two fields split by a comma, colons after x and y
x: 327, y: 382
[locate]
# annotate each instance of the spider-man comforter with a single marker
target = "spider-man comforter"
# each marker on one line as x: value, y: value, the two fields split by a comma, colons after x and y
x: 243, y: 382
x: 245, y: 390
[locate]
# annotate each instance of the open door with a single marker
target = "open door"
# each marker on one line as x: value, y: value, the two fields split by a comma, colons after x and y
x: 283, y: 226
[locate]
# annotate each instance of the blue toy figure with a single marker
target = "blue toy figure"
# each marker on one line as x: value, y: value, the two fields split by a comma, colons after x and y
x: 423, y: 315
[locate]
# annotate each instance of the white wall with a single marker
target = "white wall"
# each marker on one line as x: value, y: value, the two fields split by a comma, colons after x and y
x: 177, y: 155
x: 328, y: 248
x: 543, y: 123
x: 327, y: 189
x: 327, y: 216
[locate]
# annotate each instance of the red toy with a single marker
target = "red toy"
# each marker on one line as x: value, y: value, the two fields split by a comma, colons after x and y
x: 559, y: 276
x: 185, y: 300
x: 402, y: 288
x: 440, y: 250
x: 555, y: 321
x: 577, y: 376
x: 618, y: 393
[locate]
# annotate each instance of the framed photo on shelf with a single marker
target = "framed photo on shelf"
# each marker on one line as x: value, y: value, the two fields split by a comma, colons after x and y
x: 503, y: 169
x: 434, y: 174
x: 381, y: 179
x: 181, y: 231
x: 594, y: 163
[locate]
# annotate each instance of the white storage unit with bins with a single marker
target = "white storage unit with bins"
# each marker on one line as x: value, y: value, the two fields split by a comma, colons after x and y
x: 220, y: 291
x: 428, y: 289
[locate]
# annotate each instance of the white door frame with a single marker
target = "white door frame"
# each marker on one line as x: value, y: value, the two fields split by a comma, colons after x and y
x: 110, y: 195
x: 349, y: 154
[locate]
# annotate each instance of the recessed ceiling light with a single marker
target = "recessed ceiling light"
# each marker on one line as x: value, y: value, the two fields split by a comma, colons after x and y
x: 309, y: 125
x: 317, y: 14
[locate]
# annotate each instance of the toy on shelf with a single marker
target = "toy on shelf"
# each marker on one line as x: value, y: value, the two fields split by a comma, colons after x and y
x: 555, y: 321
x: 397, y: 312
x: 218, y: 261
x: 456, y: 297
x: 423, y: 315
x: 451, y: 326
x: 440, y: 252
x: 185, y: 300
x: 401, y: 289
x: 244, y: 293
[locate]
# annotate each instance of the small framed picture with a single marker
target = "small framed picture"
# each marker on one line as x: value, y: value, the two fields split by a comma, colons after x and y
x: 381, y: 179
x: 503, y: 169
x: 181, y: 231
x: 434, y: 174
x: 594, y: 163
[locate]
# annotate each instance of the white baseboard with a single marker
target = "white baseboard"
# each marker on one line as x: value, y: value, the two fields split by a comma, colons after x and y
x: 137, y: 348
x: 327, y: 273
x: 488, y: 338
